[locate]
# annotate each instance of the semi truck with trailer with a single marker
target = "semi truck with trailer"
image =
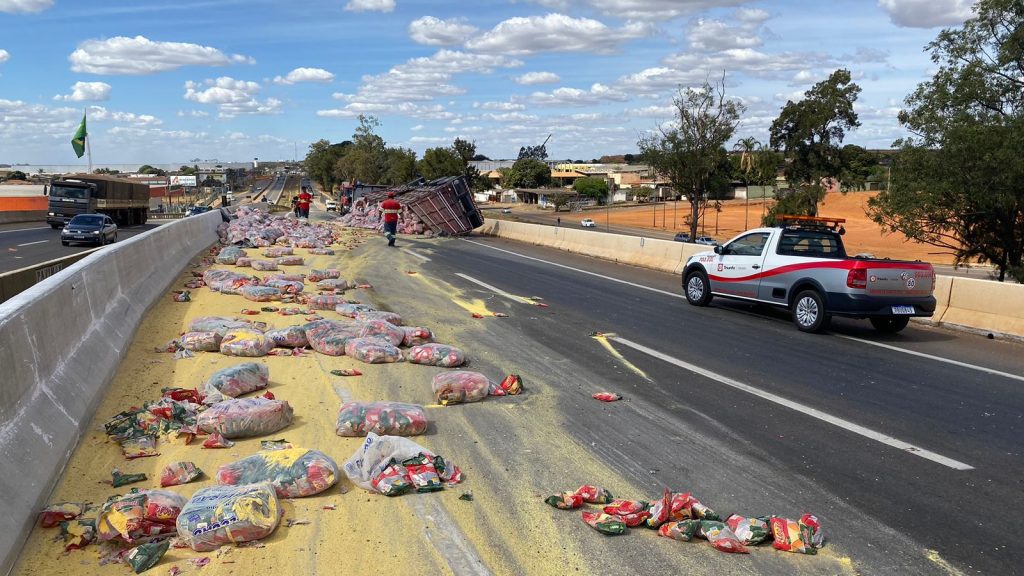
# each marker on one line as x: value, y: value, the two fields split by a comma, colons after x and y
x: 126, y: 201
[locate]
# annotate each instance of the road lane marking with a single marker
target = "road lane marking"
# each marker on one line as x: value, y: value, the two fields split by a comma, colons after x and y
x: 24, y: 229
x: 673, y: 295
x: 497, y: 291
x: 802, y: 408
x: 936, y: 358
x: 31, y: 243
x: 581, y: 271
x: 415, y: 254
x: 603, y: 340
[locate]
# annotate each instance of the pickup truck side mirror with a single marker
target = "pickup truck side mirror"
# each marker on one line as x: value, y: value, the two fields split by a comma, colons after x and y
x: 719, y: 250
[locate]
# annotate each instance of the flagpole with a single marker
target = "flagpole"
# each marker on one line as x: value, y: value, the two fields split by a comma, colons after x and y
x: 88, y: 147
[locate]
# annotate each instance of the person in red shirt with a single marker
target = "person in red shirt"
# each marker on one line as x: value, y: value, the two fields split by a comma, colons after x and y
x: 304, y: 199
x: 391, y: 209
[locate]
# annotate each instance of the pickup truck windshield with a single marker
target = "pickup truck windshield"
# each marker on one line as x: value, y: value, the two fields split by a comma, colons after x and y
x: 59, y: 191
x: 811, y: 243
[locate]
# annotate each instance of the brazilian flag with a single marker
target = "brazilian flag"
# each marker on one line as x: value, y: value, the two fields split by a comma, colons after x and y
x: 78, y: 141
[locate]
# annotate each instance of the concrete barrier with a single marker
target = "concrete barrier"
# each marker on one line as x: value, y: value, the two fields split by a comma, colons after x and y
x: 977, y: 305
x: 17, y: 281
x: 10, y: 217
x: 60, y: 345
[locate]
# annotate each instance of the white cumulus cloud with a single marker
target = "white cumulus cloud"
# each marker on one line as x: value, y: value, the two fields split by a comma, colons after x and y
x: 659, y: 10
x: 23, y: 6
x: 140, y: 55
x: 86, y: 92
x: 927, y: 13
x: 370, y: 5
x: 554, y: 33
x: 317, y: 75
x: 436, y: 32
x: 575, y: 97
x: 232, y: 97
x: 507, y: 106
x: 534, y: 78
x: 715, y: 35
x: 4, y: 56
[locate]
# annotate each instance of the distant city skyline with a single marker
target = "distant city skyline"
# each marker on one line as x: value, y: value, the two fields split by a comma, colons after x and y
x: 235, y: 80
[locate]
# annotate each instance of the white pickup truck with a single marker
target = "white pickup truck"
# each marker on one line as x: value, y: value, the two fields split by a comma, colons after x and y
x: 802, y: 265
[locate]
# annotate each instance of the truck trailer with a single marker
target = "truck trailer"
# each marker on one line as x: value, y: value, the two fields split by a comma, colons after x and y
x: 124, y: 200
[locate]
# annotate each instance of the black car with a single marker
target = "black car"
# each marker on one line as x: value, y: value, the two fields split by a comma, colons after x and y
x: 193, y: 211
x: 682, y: 237
x: 89, y: 228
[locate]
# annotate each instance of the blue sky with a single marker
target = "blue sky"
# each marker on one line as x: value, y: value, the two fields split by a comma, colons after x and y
x: 166, y: 82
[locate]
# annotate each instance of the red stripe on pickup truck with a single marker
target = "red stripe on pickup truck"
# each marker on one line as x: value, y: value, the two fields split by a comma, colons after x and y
x: 832, y: 264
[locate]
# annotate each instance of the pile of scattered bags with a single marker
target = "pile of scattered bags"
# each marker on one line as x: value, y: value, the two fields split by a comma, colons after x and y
x: 368, y: 215
x: 681, y: 516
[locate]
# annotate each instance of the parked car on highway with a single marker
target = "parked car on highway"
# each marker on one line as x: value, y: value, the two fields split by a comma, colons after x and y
x: 588, y: 223
x: 89, y: 228
x: 802, y: 265
x: 682, y: 237
x: 706, y: 240
x: 332, y: 206
x: 506, y: 210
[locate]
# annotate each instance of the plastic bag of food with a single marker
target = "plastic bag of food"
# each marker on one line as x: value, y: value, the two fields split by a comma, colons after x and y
x: 78, y: 534
x: 54, y: 514
x: 226, y: 281
x: 604, y: 523
x: 200, y: 341
x: 594, y: 494
x: 422, y: 473
x: 181, y: 296
x: 350, y: 310
x: 682, y: 530
x: 510, y: 385
x: 246, y: 342
x: 721, y: 537
x: 235, y: 380
x: 372, y: 350
x: 145, y: 556
x: 287, y: 277
x: 460, y: 386
x: 261, y: 293
x: 179, y: 473
x: 294, y: 472
x: 215, y: 440
x: 803, y: 536
x: 289, y: 337
x: 139, y: 515
x: 329, y: 337
x: 321, y: 251
x: 750, y: 531
x: 264, y: 265
x: 378, y: 453
x: 229, y: 255
x: 325, y: 302
x: 333, y: 284
x: 278, y: 251
x: 229, y: 514
x: 218, y: 324
x: 436, y: 355
x: 244, y: 417
x: 565, y: 500
x: 316, y: 275
x: 391, y: 317
x: 244, y: 262
x: 383, y: 330
x: 290, y: 261
x: 383, y: 418
x: 416, y: 335
x: 285, y: 286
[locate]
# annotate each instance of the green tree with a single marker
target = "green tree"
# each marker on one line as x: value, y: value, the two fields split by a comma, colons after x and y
x: 956, y: 182
x: 591, y: 187
x: 401, y: 163
x: 321, y: 159
x: 467, y: 152
x: 559, y: 199
x: 528, y: 173
x: 858, y: 164
x: 690, y: 152
x: 441, y: 162
x: 147, y: 169
x: 809, y: 133
x: 366, y: 159
x: 188, y: 170
x: 17, y: 175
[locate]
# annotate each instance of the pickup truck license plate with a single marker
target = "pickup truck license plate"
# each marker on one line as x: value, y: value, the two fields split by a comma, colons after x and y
x: 902, y: 309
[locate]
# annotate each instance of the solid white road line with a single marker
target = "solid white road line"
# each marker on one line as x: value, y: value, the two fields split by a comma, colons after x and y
x: 415, y: 254
x: 497, y: 291
x: 24, y: 229
x: 802, y: 408
x: 581, y: 271
x: 936, y: 358
x: 31, y: 243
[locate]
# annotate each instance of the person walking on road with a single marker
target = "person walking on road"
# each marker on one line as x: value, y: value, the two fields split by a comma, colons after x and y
x: 304, y: 199
x: 295, y: 205
x: 391, y: 209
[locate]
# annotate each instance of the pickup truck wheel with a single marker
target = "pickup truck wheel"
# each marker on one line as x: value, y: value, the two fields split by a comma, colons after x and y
x: 698, y: 291
x: 809, y: 312
x: 890, y: 324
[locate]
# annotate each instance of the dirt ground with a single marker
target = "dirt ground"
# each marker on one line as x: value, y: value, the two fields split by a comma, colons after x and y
x: 862, y: 235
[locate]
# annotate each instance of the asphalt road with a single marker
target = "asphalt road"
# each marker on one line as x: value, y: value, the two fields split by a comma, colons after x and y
x: 30, y: 243
x: 907, y: 447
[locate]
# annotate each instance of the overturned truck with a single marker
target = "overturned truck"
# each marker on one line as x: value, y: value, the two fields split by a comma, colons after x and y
x: 444, y: 207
